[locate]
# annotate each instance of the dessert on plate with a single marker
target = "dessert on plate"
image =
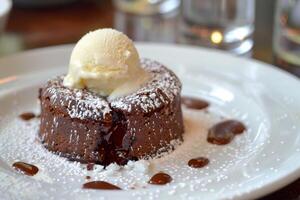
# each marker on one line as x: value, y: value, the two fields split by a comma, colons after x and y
x: 112, y: 106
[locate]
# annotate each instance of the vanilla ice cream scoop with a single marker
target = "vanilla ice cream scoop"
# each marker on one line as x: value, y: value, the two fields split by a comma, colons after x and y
x: 107, y: 62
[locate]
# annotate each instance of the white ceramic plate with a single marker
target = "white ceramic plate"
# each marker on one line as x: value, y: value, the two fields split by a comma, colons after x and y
x: 258, y: 162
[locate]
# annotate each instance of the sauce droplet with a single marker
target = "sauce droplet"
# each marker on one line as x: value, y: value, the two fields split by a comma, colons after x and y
x: 160, y: 179
x: 100, y: 185
x: 224, y: 132
x: 198, y: 162
x: 26, y: 168
x: 194, y: 103
x: 27, y: 116
x: 88, y: 177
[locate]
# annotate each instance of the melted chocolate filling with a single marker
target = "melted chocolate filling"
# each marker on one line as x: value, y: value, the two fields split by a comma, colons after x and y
x: 90, y: 166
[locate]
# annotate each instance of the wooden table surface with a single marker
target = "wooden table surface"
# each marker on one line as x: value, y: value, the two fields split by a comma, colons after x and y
x: 66, y: 24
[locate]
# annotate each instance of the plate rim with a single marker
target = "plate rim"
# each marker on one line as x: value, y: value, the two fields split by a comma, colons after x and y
x: 64, y: 47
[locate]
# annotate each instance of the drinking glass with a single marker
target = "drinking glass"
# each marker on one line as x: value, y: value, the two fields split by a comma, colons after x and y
x: 147, y: 20
x: 286, y: 39
x: 147, y: 7
x: 222, y: 24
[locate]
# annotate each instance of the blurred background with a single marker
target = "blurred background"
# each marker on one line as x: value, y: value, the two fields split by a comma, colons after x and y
x: 266, y: 30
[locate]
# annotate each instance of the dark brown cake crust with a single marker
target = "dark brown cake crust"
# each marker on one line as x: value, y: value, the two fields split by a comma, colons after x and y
x: 84, y: 126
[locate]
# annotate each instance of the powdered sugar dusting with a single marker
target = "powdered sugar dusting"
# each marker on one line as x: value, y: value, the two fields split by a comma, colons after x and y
x: 162, y: 88
x: 60, y: 176
x: 78, y: 103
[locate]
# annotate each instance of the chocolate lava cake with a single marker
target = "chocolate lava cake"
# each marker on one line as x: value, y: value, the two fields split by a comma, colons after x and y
x: 83, y: 126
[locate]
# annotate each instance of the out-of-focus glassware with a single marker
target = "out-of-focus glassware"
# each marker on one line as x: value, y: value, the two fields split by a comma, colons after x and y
x: 147, y: 7
x: 5, y: 7
x: 150, y: 28
x: 222, y: 24
x: 148, y: 20
x: 286, y: 40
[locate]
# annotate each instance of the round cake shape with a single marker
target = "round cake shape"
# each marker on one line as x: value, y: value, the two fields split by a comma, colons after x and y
x: 83, y: 126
